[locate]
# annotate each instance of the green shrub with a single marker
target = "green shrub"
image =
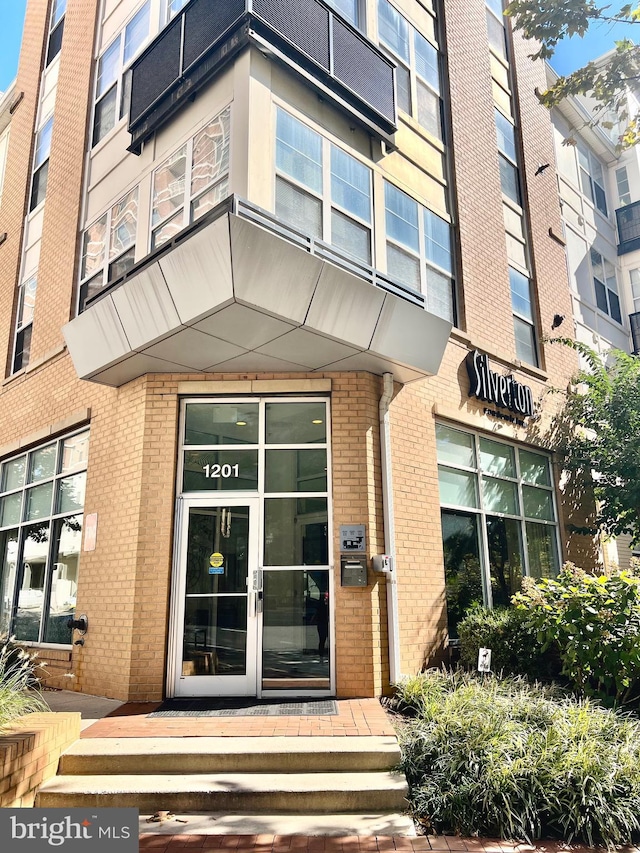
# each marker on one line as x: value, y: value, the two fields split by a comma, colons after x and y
x: 506, y: 758
x: 514, y: 645
x: 18, y: 687
x: 595, y: 624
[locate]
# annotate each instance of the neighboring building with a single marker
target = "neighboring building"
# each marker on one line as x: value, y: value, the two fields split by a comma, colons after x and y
x: 274, y: 298
x: 599, y: 186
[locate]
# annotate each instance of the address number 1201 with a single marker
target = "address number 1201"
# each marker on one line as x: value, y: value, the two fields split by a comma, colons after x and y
x: 224, y: 471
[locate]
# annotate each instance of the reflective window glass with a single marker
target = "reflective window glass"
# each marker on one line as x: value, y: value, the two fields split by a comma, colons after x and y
x: 350, y: 184
x: 8, y: 556
x: 497, y: 458
x: 538, y: 503
x: 75, y: 452
x: 296, y: 532
x: 10, y: 507
x: 26, y: 625
x: 457, y: 488
x: 402, y: 217
x: 296, y: 471
x: 220, y: 470
x: 534, y: 468
x: 299, y: 151
x: 542, y: 550
x: 500, y: 496
x: 42, y: 463
x: 221, y: 423
x: 71, y: 493
x: 38, y: 503
x: 136, y: 32
x: 455, y: 447
x: 296, y: 423
x: 67, y: 538
x: 13, y: 473
x: 463, y: 567
x: 505, y: 559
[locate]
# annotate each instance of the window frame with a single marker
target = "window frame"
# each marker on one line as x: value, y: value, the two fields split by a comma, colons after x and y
x: 325, y: 195
x: 118, y: 84
x: 605, y: 285
x: 40, y: 169
x: 23, y: 328
x: 52, y: 520
x: 622, y: 178
x: 586, y: 178
x: 422, y: 256
x: 409, y: 64
x: 483, y: 513
x: 108, y: 262
x: 189, y: 197
x: 56, y: 30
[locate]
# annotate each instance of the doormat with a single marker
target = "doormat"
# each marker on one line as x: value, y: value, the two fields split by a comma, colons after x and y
x: 244, y: 708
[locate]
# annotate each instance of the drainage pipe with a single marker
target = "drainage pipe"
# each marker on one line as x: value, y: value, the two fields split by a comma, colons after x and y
x: 389, y: 528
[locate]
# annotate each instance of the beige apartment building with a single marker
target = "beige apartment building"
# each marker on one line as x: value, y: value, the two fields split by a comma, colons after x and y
x: 275, y: 281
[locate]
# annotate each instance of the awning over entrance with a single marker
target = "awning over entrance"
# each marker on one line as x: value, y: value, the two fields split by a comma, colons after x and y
x: 233, y: 297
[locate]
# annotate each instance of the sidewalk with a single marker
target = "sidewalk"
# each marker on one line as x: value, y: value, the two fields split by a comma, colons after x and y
x: 350, y: 844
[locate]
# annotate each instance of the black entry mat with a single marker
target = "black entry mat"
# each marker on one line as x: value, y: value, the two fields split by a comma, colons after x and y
x: 245, y: 708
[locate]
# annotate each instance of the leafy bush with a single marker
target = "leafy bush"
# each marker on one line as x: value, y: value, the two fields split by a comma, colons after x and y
x: 514, y: 645
x: 18, y: 686
x: 595, y: 624
x: 510, y: 759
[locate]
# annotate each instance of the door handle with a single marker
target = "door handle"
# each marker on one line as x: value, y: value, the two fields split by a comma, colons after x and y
x: 259, y: 602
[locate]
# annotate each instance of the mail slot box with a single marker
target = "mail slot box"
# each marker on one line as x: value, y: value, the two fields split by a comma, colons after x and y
x: 353, y: 571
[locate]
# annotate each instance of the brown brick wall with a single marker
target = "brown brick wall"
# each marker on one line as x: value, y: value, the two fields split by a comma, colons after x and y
x: 15, y: 193
x: 29, y: 754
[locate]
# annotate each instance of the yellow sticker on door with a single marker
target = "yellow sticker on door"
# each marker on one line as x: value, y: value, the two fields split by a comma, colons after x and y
x: 216, y: 560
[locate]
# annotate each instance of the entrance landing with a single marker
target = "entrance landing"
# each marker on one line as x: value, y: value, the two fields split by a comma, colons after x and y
x: 355, y: 718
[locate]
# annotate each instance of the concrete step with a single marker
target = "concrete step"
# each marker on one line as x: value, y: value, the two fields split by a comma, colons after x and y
x: 222, y: 823
x: 267, y: 793
x: 171, y: 755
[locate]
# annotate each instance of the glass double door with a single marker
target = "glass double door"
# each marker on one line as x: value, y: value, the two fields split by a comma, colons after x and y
x: 242, y: 629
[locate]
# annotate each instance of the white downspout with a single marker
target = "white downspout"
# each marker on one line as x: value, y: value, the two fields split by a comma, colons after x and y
x: 389, y: 528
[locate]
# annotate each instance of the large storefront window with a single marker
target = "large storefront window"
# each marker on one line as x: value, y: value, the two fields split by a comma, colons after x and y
x: 41, y: 502
x: 498, y: 519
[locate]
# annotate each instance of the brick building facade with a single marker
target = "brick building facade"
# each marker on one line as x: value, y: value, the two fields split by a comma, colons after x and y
x: 253, y: 250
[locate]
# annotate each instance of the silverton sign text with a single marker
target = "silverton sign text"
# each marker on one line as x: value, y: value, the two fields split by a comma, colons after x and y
x: 503, y: 391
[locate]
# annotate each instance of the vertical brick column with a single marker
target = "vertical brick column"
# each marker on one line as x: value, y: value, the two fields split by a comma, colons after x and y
x: 15, y: 193
x: 59, y: 252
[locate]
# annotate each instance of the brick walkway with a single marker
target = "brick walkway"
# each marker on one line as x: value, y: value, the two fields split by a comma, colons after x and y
x: 355, y: 717
x: 350, y: 844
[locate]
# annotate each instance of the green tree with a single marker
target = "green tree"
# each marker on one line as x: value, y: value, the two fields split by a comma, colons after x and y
x: 599, y: 435
x: 549, y: 21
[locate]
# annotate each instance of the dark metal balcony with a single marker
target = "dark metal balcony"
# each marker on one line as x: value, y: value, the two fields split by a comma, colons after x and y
x: 306, y: 36
x: 634, y: 322
x: 628, y: 228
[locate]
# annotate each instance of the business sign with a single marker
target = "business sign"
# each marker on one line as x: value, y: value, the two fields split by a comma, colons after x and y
x: 503, y: 391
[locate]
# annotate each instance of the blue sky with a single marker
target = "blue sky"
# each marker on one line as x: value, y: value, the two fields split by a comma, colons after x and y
x: 571, y: 53
x: 574, y: 52
x: 11, y: 21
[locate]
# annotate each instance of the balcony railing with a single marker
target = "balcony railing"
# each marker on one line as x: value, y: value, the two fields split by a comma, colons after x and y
x: 628, y: 228
x: 306, y: 36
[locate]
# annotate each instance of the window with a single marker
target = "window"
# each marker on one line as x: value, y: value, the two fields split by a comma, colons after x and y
x: 496, y: 29
x: 509, y: 176
x: 349, y: 9
x: 310, y: 170
x: 108, y: 247
x: 56, y: 29
x: 41, y: 503
x: 191, y: 181
x: 41, y: 164
x: 606, y: 285
x: 592, y: 179
x: 24, y: 322
x: 418, y: 72
x: 622, y: 182
x: 113, y: 80
x: 419, y: 250
x: 523, y: 320
x: 4, y: 147
x: 174, y: 6
x: 634, y: 276
x: 498, y: 519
